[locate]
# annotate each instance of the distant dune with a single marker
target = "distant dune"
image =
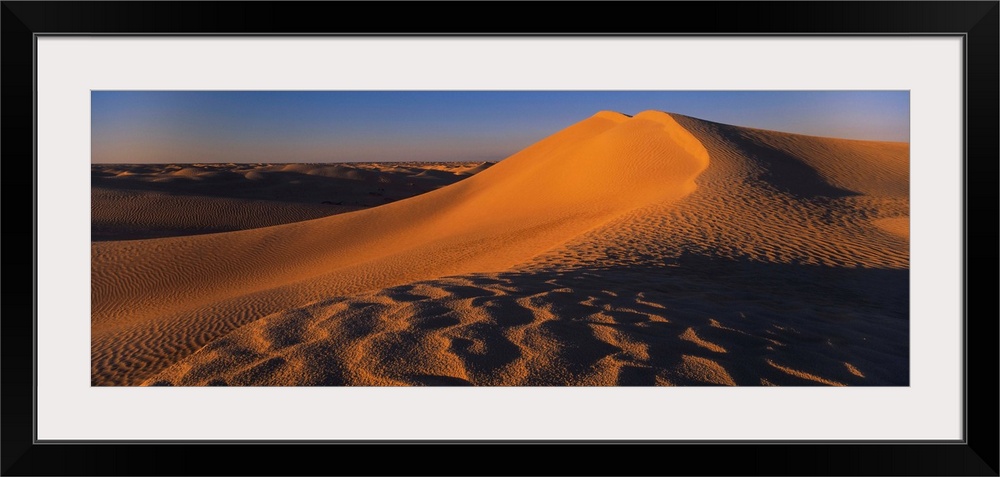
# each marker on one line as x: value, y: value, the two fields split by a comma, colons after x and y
x: 138, y: 201
x: 649, y: 250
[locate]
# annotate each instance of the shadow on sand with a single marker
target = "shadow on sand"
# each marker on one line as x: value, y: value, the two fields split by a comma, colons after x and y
x: 694, y: 321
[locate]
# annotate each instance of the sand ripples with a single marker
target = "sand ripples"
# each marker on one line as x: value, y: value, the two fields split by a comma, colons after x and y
x: 620, y: 251
x: 549, y: 328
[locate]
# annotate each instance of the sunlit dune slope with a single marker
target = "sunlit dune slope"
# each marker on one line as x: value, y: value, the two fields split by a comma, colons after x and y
x: 156, y: 301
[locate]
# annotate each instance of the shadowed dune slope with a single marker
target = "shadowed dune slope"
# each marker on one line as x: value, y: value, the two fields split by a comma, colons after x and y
x: 157, y: 301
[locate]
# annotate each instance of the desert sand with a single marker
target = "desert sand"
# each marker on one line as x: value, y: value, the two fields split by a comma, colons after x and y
x: 137, y: 201
x: 657, y: 249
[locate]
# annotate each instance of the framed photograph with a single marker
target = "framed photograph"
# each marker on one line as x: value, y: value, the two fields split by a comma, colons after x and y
x: 750, y: 229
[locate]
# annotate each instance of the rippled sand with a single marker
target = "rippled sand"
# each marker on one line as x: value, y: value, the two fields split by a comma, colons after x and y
x: 649, y: 250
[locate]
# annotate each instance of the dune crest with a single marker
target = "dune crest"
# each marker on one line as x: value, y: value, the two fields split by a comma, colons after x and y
x: 157, y: 301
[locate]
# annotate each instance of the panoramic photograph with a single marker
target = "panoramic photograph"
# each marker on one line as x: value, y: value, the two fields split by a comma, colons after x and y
x: 500, y: 238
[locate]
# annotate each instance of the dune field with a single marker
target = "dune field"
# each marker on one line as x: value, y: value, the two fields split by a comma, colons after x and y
x: 657, y: 249
x: 136, y: 201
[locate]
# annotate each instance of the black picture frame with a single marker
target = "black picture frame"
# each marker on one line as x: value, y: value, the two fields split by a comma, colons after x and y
x: 977, y: 23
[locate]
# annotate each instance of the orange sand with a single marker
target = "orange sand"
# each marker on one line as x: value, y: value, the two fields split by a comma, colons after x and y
x: 652, y: 250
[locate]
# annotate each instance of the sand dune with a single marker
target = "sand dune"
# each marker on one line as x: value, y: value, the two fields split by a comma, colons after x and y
x: 139, y: 201
x: 648, y: 250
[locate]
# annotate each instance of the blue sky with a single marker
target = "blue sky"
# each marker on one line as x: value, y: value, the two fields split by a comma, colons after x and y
x: 347, y: 126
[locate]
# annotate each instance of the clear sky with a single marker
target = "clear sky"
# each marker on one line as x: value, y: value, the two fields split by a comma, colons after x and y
x: 349, y: 126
